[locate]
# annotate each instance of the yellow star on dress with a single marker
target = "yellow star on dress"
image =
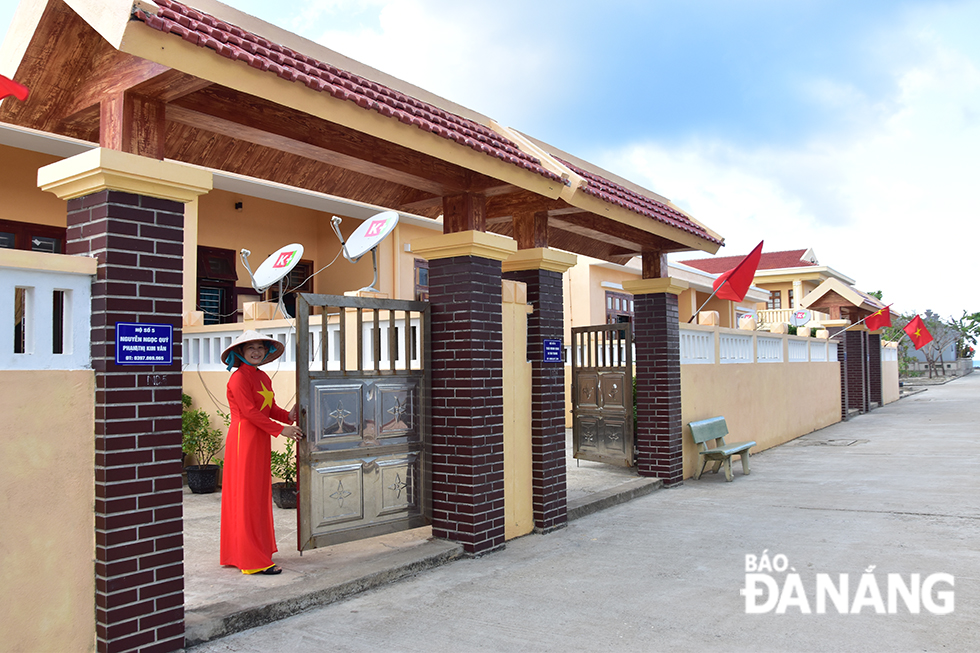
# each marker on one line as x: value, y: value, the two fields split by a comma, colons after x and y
x: 267, y: 397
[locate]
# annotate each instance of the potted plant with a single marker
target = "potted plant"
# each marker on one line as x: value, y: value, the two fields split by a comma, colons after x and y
x: 284, y: 467
x: 202, y: 441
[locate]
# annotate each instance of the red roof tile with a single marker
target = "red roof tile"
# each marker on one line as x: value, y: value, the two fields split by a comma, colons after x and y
x: 237, y: 44
x: 768, y: 261
x: 613, y: 193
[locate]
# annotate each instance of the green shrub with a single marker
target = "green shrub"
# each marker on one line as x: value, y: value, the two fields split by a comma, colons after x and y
x: 284, y: 464
x: 200, y: 440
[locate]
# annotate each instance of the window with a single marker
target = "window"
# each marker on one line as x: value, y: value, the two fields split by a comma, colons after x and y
x: 300, y: 279
x: 775, y: 300
x: 421, y: 280
x: 216, y: 277
x: 35, y: 237
x: 789, y: 298
x: 619, y: 307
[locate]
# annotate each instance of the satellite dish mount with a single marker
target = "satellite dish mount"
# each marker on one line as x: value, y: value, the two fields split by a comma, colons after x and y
x: 274, y: 269
x: 366, y: 238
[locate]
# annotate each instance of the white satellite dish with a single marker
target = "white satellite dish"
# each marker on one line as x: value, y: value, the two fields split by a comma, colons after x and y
x: 275, y: 268
x: 366, y: 238
x: 800, y: 317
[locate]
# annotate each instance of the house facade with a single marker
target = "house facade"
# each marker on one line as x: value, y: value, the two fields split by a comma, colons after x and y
x: 158, y: 142
x: 787, y: 276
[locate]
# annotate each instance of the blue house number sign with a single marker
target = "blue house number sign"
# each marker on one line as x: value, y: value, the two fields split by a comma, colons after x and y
x: 552, y: 351
x: 144, y: 344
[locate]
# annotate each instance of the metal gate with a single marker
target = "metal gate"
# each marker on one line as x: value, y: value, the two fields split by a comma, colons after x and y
x: 602, y: 394
x: 363, y: 391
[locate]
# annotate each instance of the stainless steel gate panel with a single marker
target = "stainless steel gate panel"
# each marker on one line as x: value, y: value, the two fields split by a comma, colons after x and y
x: 602, y: 394
x: 363, y: 465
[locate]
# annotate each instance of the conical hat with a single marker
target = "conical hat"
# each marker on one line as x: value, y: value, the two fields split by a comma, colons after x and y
x: 276, y: 348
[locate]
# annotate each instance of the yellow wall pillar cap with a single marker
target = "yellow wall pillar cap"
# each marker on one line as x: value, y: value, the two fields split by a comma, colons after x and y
x: 465, y: 243
x: 540, y: 258
x: 654, y: 286
x: 104, y: 169
x: 835, y: 323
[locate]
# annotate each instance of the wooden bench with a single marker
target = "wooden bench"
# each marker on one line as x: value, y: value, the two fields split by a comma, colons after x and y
x: 716, y: 429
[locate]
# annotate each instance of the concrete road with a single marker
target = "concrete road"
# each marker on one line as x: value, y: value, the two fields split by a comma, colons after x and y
x: 887, y: 499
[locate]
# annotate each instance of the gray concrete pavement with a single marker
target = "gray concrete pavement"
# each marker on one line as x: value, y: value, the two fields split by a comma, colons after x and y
x: 893, y: 492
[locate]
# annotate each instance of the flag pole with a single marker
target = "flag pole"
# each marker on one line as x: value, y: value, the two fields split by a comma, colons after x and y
x: 715, y: 292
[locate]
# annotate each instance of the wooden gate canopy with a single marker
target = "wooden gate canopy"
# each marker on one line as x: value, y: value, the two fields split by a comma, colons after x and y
x: 211, y: 86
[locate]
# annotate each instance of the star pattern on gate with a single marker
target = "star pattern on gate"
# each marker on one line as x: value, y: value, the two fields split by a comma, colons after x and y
x: 340, y: 494
x: 398, y: 486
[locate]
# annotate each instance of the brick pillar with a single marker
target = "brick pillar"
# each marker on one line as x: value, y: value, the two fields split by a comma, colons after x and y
x: 842, y: 359
x: 541, y: 270
x: 467, y: 387
x: 856, y: 373
x: 656, y: 337
x: 138, y: 242
x: 874, y: 368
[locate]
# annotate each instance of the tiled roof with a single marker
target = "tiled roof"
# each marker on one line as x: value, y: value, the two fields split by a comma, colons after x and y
x: 768, y: 261
x: 237, y: 44
x: 613, y: 193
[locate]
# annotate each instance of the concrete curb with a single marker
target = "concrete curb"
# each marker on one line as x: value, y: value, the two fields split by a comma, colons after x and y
x: 221, y: 619
x: 612, y: 497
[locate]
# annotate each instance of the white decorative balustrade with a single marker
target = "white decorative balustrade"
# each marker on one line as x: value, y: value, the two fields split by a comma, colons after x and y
x: 46, y: 312
x: 203, y: 345
x: 710, y: 345
x: 735, y: 347
x: 769, y: 349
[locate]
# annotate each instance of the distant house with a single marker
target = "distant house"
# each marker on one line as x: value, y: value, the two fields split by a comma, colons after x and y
x: 787, y: 276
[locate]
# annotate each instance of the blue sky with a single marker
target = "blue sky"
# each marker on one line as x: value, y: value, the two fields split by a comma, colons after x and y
x: 849, y: 127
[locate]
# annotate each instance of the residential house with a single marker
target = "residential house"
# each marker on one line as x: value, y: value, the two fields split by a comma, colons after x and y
x: 787, y: 276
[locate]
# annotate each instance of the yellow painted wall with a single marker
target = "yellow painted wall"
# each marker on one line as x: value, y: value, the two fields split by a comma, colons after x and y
x: 889, y: 381
x: 47, y: 540
x: 23, y: 201
x: 518, y: 475
x: 770, y: 403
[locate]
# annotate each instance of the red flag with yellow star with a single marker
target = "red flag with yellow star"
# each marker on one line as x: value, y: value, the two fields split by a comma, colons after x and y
x: 880, y: 319
x: 917, y: 332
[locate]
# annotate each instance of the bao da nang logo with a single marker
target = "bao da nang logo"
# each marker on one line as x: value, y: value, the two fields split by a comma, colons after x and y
x: 772, y: 585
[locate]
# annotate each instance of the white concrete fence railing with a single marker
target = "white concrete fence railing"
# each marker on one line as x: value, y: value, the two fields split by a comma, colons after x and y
x: 707, y: 345
x: 203, y: 345
x: 46, y: 312
x: 769, y: 316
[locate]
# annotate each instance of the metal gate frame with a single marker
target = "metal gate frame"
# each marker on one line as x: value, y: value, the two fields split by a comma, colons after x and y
x: 602, y: 394
x: 370, y: 452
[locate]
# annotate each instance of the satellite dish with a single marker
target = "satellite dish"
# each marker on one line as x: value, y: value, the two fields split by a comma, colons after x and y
x: 366, y: 238
x: 369, y: 234
x: 275, y: 268
x: 800, y: 317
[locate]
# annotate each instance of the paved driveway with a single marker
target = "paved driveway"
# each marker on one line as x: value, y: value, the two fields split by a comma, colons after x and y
x: 888, y: 497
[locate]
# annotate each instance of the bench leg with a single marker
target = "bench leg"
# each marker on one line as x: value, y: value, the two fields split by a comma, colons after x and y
x: 745, y: 462
x: 728, y: 469
x: 699, y: 468
x: 715, y: 466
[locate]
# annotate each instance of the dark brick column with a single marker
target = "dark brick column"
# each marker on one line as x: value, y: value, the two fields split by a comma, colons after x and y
x: 874, y: 368
x: 467, y: 386
x: 544, y: 293
x: 137, y: 239
x: 656, y: 338
x: 139, y: 595
x: 855, y: 347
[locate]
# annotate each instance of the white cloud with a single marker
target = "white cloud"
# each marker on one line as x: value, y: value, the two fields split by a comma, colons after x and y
x: 906, y: 190
x: 474, y: 54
